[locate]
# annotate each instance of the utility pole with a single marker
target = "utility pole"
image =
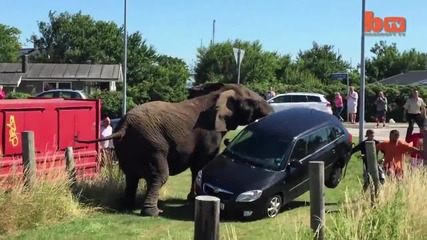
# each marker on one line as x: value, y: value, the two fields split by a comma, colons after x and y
x: 213, y: 32
x: 125, y: 60
x: 362, y: 76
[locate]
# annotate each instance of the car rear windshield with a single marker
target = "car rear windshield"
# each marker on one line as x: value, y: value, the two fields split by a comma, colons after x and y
x: 259, y: 148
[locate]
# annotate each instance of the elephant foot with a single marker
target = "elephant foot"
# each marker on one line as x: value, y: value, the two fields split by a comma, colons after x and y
x: 191, y: 196
x: 150, y: 211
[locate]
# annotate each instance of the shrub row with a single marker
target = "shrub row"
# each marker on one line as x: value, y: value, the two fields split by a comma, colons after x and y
x: 396, y: 95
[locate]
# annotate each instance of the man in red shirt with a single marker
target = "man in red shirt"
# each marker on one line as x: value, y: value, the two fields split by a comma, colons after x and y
x: 417, y: 141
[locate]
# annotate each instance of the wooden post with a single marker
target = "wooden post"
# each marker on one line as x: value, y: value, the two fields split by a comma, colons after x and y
x: 70, y: 165
x: 317, y: 198
x: 424, y: 145
x: 28, y: 158
x: 372, y: 163
x: 206, y: 218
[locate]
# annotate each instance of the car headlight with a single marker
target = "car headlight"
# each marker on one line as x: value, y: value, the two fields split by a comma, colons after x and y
x: 199, y: 178
x: 249, y: 196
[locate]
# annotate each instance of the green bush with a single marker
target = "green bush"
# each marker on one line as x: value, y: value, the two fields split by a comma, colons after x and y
x: 396, y: 95
x: 17, y: 95
x: 111, y: 103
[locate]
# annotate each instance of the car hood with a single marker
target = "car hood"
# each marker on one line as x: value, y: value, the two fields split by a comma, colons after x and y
x: 237, y: 176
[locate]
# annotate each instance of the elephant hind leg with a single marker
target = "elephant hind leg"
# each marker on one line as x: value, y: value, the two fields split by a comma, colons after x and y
x: 159, y: 175
x: 130, y: 192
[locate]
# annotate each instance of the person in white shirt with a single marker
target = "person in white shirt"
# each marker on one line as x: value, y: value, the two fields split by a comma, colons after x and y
x: 107, y: 145
x: 352, y: 100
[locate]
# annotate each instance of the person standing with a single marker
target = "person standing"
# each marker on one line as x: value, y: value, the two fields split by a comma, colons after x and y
x: 352, y: 100
x: 339, y: 105
x: 381, y: 109
x: 107, y: 145
x: 270, y: 93
x: 361, y: 147
x: 416, y: 140
x: 2, y: 93
x: 394, y: 154
x: 413, y: 108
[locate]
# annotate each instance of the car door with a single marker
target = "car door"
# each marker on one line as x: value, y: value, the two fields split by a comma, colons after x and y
x: 296, y: 168
x: 318, y: 149
x: 300, y: 101
x: 280, y: 103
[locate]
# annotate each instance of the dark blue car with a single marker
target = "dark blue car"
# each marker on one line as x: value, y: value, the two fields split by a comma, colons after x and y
x: 266, y: 165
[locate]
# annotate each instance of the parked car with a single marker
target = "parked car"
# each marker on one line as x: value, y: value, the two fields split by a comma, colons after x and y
x: 300, y: 99
x: 266, y: 165
x: 63, y: 93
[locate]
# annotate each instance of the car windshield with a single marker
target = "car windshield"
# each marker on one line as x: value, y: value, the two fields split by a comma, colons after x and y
x: 259, y: 148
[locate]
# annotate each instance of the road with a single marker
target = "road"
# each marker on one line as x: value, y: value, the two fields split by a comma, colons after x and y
x: 380, y: 133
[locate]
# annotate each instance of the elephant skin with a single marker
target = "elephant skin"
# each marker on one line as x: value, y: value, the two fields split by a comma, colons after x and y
x: 159, y: 139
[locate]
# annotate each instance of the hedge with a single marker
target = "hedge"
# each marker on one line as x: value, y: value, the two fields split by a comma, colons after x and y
x: 396, y: 95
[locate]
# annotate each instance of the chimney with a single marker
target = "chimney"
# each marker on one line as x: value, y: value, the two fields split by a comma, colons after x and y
x: 24, y: 63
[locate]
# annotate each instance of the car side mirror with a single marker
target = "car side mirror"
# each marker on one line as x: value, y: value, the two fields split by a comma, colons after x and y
x: 270, y: 101
x: 295, y: 164
x: 226, y: 141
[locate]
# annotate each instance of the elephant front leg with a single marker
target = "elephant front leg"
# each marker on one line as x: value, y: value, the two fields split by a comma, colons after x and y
x: 192, y: 194
x: 160, y: 174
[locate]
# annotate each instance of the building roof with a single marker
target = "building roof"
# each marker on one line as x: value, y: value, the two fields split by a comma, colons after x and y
x: 11, y: 73
x: 411, y: 77
x: 294, y: 121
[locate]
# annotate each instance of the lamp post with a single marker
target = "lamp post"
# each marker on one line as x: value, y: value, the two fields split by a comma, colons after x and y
x: 362, y: 76
x: 125, y: 52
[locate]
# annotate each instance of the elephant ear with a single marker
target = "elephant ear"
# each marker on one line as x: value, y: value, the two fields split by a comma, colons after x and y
x: 224, y: 107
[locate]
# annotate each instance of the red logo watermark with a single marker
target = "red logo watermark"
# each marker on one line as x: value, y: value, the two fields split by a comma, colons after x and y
x: 388, y: 26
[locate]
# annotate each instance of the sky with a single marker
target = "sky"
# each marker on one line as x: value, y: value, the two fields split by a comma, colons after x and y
x: 178, y: 28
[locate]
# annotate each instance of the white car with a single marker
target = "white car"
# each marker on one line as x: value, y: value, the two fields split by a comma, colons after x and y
x: 300, y: 99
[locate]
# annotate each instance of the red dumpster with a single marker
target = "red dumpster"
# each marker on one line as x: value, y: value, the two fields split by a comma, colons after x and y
x: 54, y: 123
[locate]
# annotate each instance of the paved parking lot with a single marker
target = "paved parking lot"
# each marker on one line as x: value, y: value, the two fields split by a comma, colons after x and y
x: 380, y: 133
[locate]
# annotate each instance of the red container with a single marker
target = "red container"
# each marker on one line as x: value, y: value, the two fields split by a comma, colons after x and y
x: 54, y: 122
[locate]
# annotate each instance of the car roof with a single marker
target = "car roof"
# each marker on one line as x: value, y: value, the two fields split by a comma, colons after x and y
x: 294, y: 121
x: 301, y: 93
x: 56, y: 90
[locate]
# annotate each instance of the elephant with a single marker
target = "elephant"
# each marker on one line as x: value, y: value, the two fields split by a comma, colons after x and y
x: 159, y: 139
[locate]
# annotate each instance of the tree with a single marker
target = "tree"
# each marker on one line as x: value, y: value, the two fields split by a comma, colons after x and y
x: 217, y: 63
x: 389, y: 61
x: 321, y: 61
x: 78, y: 38
x: 9, y: 43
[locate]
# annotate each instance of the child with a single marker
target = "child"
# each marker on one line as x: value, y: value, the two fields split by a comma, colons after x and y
x: 417, y: 141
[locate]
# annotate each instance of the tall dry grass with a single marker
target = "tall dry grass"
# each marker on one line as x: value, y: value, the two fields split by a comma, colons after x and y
x: 49, y: 201
x: 400, y: 212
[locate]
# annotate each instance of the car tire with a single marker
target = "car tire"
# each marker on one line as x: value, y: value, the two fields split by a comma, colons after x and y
x: 273, y: 206
x: 334, y: 178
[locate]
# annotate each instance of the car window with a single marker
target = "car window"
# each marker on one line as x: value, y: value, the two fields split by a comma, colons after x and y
x: 65, y: 94
x: 335, y: 132
x: 313, y: 99
x: 300, y: 150
x: 260, y: 148
x: 283, y: 99
x: 318, y: 139
x: 299, y: 98
x: 75, y: 95
x: 47, y: 95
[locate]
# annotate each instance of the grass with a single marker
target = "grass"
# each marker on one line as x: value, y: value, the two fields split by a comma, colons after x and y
x: 52, y: 212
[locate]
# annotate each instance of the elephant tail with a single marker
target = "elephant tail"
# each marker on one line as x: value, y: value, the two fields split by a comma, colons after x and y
x: 118, y: 134
x: 121, y: 130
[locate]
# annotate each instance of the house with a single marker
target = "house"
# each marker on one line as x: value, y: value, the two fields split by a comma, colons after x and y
x: 414, y: 77
x: 35, y: 77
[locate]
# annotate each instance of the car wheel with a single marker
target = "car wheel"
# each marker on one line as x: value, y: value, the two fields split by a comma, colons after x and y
x: 274, y: 205
x: 334, y: 178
